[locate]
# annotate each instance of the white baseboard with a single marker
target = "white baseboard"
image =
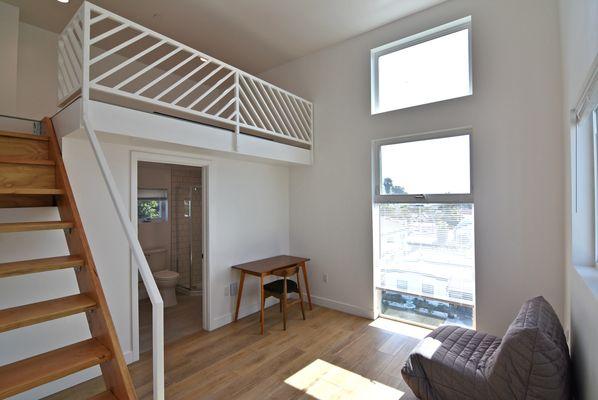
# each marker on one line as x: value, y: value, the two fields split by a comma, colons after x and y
x: 244, y: 311
x: 129, y: 357
x: 320, y: 301
x: 344, y: 307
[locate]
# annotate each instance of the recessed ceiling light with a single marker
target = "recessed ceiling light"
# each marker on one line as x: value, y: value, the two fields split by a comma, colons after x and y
x: 203, y: 59
x: 63, y: 1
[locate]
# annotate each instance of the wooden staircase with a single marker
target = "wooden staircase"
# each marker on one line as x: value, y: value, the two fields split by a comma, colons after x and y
x: 32, y: 174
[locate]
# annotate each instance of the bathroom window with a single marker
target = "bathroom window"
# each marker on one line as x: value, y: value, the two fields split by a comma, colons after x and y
x: 152, y: 205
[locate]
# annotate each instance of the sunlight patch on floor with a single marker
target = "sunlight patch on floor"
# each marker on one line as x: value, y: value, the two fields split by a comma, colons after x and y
x: 325, y: 381
x: 401, y: 328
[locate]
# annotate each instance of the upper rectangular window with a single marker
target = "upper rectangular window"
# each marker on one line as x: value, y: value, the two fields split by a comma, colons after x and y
x: 432, y: 166
x: 424, y: 168
x: 428, y: 67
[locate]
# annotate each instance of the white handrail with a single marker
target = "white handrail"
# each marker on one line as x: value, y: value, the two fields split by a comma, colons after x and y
x: 144, y: 269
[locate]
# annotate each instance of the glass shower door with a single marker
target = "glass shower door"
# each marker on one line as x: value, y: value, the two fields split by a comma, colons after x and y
x: 186, y: 236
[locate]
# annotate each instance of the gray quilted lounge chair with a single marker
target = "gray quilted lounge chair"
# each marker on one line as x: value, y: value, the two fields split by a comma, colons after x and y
x: 531, y: 362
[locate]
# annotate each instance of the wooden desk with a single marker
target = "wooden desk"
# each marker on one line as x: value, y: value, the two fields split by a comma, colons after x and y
x: 265, y: 267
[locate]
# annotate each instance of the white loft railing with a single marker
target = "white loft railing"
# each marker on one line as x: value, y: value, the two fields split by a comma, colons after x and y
x: 117, y: 60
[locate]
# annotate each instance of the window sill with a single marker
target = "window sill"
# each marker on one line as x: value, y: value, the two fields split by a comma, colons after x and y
x: 589, y: 275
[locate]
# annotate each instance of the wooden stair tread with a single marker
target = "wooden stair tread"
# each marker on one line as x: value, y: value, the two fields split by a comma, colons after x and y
x: 31, y: 191
x: 39, y: 265
x: 34, y: 226
x: 22, y: 135
x: 35, y: 371
x: 107, y: 395
x: 26, y: 161
x: 30, y: 314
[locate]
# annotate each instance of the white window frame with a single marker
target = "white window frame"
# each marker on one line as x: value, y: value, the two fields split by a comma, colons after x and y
x: 585, y: 107
x: 594, y: 117
x: 423, y: 197
x: 430, y: 34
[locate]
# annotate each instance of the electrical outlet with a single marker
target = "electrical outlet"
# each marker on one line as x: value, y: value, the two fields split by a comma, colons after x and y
x: 234, y: 288
x: 325, y: 278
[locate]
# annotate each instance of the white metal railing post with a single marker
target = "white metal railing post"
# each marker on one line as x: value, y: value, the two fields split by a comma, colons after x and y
x: 144, y: 269
x: 237, y: 112
x: 86, y: 54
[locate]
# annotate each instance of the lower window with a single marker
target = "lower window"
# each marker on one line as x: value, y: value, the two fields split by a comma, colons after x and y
x: 425, y: 262
x: 424, y: 311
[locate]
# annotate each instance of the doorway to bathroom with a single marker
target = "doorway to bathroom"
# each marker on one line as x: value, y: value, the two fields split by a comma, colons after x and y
x: 169, y: 200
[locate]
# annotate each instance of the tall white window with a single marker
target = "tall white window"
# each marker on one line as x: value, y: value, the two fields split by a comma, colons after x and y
x: 424, y: 245
x: 430, y: 66
x: 584, y: 190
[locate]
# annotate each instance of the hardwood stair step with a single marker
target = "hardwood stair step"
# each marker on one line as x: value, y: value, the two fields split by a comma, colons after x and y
x: 107, y: 395
x: 28, y: 197
x: 28, y: 147
x: 34, y: 226
x: 30, y: 314
x: 39, y: 265
x: 27, y: 175
x: 35, y: 371
x: 21, y: 135
x: 26, y: 161
x: 31, y: 191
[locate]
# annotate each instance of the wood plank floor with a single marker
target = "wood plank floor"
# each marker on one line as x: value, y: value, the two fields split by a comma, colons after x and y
x: 180, y: 321
x: 331, y: 355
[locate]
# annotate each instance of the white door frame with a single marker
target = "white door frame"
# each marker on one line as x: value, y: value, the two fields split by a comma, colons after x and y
x: 207, y: 171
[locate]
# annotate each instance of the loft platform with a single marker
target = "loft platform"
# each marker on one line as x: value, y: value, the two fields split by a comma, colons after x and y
x: 107, y: 63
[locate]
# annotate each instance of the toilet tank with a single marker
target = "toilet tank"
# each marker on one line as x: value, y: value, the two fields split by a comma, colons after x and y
x: 156, y: 258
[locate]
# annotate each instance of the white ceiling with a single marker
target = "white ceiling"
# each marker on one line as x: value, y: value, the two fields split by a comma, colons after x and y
x: 254, y: 35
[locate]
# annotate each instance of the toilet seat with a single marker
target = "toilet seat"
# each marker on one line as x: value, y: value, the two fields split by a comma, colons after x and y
x: 166, y: 274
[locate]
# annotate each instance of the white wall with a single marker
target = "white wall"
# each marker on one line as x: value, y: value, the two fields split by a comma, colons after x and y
x: 37, y: 72
x: 579, y: 42
x: 28, y: 77
x: 518, y: 161
x: 9, y: 38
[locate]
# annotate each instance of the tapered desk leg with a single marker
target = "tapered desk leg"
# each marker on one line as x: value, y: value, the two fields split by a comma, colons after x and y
x: 241, y: 281
x: 304, y: 270
x: 262, y: 303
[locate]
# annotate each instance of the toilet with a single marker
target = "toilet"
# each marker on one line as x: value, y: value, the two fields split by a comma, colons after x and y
x: 166, y: 280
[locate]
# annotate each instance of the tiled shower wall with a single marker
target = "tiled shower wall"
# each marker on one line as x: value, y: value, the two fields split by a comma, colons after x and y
x: 186, y: 217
